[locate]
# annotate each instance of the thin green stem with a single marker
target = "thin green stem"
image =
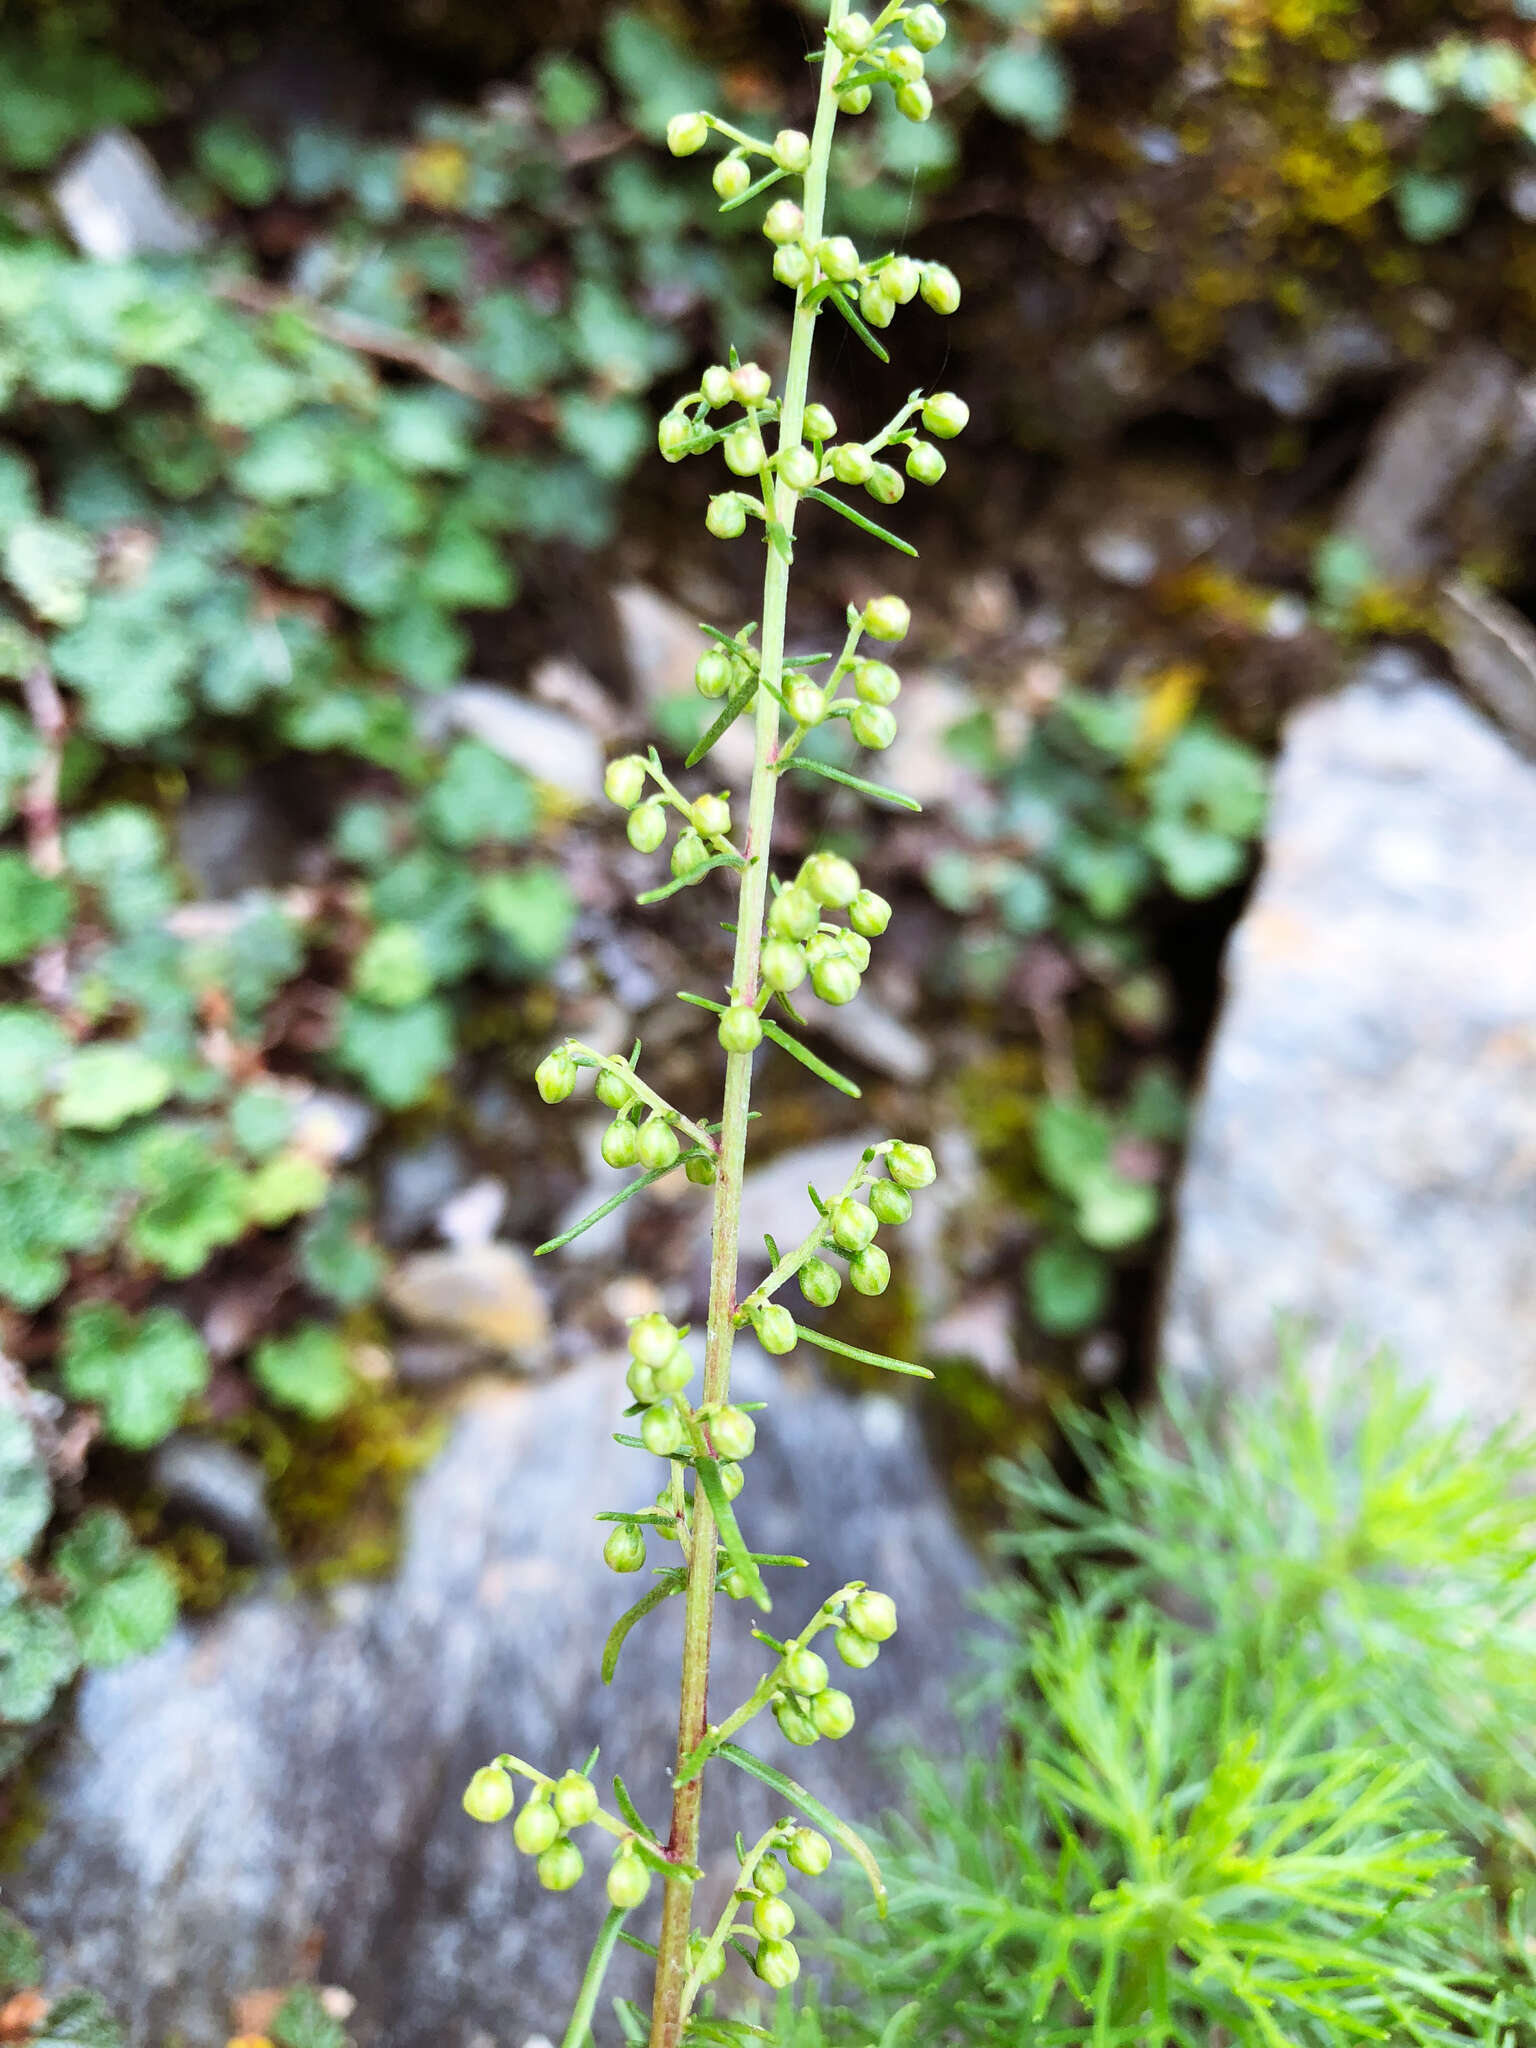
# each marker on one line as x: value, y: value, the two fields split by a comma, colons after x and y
x: 667, y: 2010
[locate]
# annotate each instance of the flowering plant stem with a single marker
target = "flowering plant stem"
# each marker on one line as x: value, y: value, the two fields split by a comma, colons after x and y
x: 687, y: 1800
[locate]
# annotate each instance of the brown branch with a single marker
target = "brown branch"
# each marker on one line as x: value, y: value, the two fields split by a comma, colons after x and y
x: 368, y: 337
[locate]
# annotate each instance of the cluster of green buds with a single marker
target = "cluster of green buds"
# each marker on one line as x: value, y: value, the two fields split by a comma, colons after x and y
x: 646, y: 1130
x: 806, y: 1704
x: 543, y: 1829
x: 761, y: 1910
x: 656, y: 806
x: 889, y: 50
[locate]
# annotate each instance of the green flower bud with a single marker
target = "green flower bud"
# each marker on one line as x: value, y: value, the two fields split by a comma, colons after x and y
x: 887, y: 618
x: 641, y: 1381
x: 852, y: 463
x: 674, y: 1373
x: 783, y: 965
x: 536, y: 1826
x: 624, y: 781
x: 877, y: 309
x: 795, y: 1724
x: 661, y: 1430
x: 734, y: 1585
x: 900, y: 278
x: 744, y: 451
x: 868, y: 913
x: 727, y: 516
x: 776, y: 1330
x: 810, y: 1853
x: 872, y: 725
x: 794, y: 913
x: 701, y: 1170
x: 714, y: 672
x: 873, y: 1615
x: 853, y: 99
x: 612, y: 1090
x: 805, y: 701
x: 560, y: 1867
x: 708, y: 1962
x: 628, y: 1881
x: 925, y: 27
x: 870, y: 1270
x: 777, y: 1963
x: 689, y: 853
x: 674, y: 431
x: 832, y: 880
x: 916, y: 102
x: 823, y: 946
x: 892, y: 1204
x: 853, y: 1225
x: 904, y: 63
x: 835, y: 980
x: 820, y: 1283
x: 652, y: 1339
x: 819, y: 425
x: 711, y: 817
x: 716, y: 386
x: 854, y: 34
x: 856, y: 948
x: 832, y: 1714
x: 793, y: 265
x: 774, y: 1918
x: 625, y: 1549
x: 769, y: 1878
x: 885, y: 484
x: 876, y: 682
x: 647, y: 826
x: 945, y: 415
x: 575, y: 1800
x: 940, y: 288
x: 799, y: 468
x: 792, y: 151
x: 665, y: 1505
x: 732, y: 1478
x: 751, y: 384
x: 555, y: 1075
x: 740, y: 1028
x: 838, y: 257
x: 911, y: 1165
x: 805, y: 1672
x: 784, y: 222
x: 620, y: 1146
x: 733, y: 1433
x: 925, y: 464
x: 856, y: 1651
x: 488, y: 1796
x: 730, y: 177
x: 687, y: 134
x: 656, y: 1146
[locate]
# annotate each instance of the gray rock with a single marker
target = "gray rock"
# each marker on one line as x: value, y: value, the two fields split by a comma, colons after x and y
x: 416, y: 1183
x: 548, y: 744
x: 1427, y: 443
x: 115, y: 207
x: 232, y: 840
x: 279, y: 1790
x: 1494, y: 650
x: 218, y: 1485
x: 662, y: 645
x: 485, y: 1292
x: 1297, y: 374
x: 1364, y: 1150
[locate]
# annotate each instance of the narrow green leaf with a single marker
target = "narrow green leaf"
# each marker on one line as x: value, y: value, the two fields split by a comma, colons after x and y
x: 876, y: 790
x: 731, y: 1538
x: 845, y: 306
x: 674, y: 1582
x: 736, y: 642
x: 813, y: 1809
x: 603, y: 1209
x: 630, y: 1811
x: 824, y: 1343
x: 735, y: 705
x: 769, y: 178
x: 809, y: 1059
x: 701, y: 1002
x: 579, y: 2031
x: 653, y: 1517
x: 646, y: 1948
x: 892, y: 540
x: 772, y: 1558
x: 632, y: 2020
x: 718, y: 860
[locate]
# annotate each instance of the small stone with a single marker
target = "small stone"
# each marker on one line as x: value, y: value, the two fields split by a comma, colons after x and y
x: 547, y: 744
x: 115, y: 207
x: 486, y: 1292
x: 473, y: 1216
x: 232, y: 840
x: 417, y: 1183
x: 334, y: 1126
x: 662, y: 644
x: 215, y: 1484
x: 1494, y: 649
x: 1120, y: 556
x: 872, y: 1034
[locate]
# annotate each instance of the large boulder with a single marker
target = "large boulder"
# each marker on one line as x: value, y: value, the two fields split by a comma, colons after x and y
x: 277, y: 1792
x: 1364, y: 1150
